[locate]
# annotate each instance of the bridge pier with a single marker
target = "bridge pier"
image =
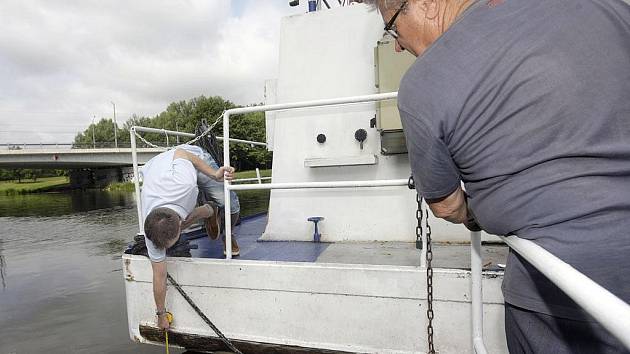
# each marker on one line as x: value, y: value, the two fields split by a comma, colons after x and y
x: 99, y: 177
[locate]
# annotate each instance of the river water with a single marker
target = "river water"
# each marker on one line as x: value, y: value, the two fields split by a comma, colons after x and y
x: 61, y: 284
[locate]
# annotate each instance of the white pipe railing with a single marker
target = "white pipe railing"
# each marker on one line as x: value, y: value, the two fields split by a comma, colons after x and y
x: 134, y: 158
x: 162, y: 131
x: 335, y: 184
x: 277, y: 107
x: 136, y: 179
x: 189, y: 135
x: 259, y: 180
x: 476, y: 293
x: 609, y: 310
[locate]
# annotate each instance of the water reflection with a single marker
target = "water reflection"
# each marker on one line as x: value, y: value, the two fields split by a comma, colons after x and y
x: 58, y: 204
x: 3, y: 268
x: 65, y: 279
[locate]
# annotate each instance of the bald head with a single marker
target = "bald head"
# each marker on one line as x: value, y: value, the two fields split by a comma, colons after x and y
x: 391, y: 5
x: 419, y: 23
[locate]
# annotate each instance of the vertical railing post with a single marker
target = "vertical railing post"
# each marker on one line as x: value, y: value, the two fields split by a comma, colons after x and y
x: 476, y: 293
x: 258, y: 175
x: 226, y: 186
x: 136, y: 179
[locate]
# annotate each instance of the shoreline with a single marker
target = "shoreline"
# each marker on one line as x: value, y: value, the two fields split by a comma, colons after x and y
x: 41, y: 185
x: 62, y: 184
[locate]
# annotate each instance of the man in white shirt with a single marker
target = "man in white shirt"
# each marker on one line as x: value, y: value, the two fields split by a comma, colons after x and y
x: 169, y: 195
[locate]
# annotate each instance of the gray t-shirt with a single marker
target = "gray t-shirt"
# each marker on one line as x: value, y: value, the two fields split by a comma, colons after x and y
x: 528, y: 103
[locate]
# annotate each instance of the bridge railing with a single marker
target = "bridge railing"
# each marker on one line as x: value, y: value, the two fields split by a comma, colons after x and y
x: 96, y: 145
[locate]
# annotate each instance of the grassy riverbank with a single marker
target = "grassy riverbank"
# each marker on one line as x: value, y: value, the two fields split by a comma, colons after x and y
x: 128, y: 186
x: 252, y: 201
x: 252, y: 174
x: 28, y: 186
x: 120, y: 186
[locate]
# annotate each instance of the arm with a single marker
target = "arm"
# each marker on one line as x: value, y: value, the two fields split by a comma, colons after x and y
x: 201, y: 212
x: 200, y: 165
x: 450, y: 208
x: 454, y: 208
x: 159, y: 292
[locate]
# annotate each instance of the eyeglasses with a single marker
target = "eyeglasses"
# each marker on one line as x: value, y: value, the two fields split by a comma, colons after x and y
x: 390, y: 27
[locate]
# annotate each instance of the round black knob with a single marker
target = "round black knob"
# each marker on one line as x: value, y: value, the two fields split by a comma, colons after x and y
x: 360, y: 135
x: 321, y: 138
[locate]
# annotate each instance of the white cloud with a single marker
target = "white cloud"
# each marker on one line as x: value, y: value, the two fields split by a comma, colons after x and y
x: 63, y: 61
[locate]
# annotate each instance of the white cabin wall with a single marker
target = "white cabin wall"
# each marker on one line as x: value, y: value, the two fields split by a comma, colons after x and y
x: 270, y: 117
x: 330, y: 54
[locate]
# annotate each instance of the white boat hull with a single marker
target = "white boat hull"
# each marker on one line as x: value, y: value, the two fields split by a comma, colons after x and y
x: 343, y: 307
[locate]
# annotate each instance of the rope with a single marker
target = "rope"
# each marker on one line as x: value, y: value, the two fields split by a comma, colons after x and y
x: 166, y: 336
x: 223, y: 338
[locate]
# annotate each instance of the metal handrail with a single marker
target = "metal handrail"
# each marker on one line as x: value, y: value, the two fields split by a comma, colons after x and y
x: 610, y: 311
x: 281, y: 107
x: 134, y: 158
x: 189, y: 135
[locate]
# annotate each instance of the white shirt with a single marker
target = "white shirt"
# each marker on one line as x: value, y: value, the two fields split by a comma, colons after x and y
x: 169, y: 183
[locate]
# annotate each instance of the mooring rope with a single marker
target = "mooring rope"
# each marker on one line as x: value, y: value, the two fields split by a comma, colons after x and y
x: 223, y: 338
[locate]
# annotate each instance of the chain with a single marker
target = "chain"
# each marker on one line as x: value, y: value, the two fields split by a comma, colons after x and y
x: 220, y: 118
x: 429, y: 254
x: 430, y: 313
x: 146, y: 142
x: 411, y: 185
x: 190, y: 142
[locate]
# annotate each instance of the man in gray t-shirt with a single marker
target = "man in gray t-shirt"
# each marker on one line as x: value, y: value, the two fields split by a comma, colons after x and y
x: 528, y: 103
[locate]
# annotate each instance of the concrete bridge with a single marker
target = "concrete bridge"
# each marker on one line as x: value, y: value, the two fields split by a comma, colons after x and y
x: 89, y: 168
x: 67, y: 158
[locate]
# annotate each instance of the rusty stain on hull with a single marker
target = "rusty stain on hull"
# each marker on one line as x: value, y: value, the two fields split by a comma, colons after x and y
x: 128, y: 274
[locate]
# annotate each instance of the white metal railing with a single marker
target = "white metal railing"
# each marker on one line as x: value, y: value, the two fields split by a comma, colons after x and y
x: 610, y: 311
x: 476, y: 296
x: 288, y: 106
x: 134, y: 158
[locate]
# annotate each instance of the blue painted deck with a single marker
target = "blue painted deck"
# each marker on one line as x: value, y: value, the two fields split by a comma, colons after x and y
x: 247, y: 234
x: 251, y: 228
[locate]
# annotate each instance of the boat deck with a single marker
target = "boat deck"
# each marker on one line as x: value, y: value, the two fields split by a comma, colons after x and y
x: 248, y: 232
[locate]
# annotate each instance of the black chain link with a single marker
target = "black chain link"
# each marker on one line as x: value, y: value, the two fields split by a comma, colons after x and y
x: 430, y: 313
x: 429, y: 258
x: 419, y: 219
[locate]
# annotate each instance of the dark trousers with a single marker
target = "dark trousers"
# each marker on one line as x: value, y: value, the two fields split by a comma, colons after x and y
x: 533, y: 332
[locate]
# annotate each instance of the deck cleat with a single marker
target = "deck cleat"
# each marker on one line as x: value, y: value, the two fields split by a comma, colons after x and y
x: 316, y: 235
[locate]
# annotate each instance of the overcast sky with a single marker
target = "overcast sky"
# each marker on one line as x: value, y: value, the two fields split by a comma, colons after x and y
x: 61, y: 62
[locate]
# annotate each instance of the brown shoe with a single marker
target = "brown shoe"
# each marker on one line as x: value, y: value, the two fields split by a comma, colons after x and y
x: 212, y: 223
x: 235, y: 249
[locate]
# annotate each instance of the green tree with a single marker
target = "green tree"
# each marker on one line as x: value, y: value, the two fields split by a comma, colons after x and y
x: 103, y: 136
x: 184, y: 116
x: 250, y: 126
x: 17, y: 175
